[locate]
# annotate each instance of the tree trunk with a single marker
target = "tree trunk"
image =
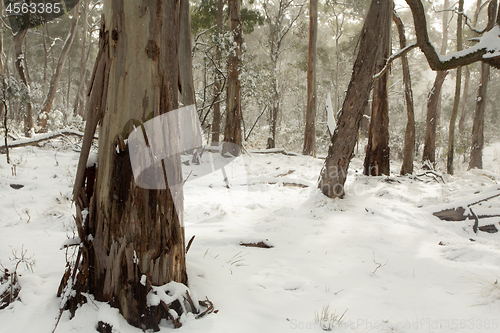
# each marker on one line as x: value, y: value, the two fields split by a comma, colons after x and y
x: 465, y: 98
x: 409, y: 147
x: 216, y: 121
x: 429, y: 154
x: 186, y: 85
x: 377, y: 151
x: 465, y: 94
x: 132, y: 238
x: 456, y: 102
x: 232, y: 132
x: 54, y: 81
x: 334, y: 172
x: 79, y: 104
x: 28, y: 115
x: 476, y: 151
x: 275, y: 107
x: 310, y: 130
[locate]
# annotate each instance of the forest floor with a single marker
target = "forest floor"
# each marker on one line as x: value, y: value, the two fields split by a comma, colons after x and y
x: 378, y: 256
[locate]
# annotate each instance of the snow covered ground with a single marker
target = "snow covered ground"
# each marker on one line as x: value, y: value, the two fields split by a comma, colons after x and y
x: 379, y: 255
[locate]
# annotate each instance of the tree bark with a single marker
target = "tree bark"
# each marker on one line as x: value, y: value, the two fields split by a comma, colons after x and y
x: 216, y: 121
x: 456, y: 101
x: 310, y: 128
x: 465, y: 99
x: 18, y: 48
x: 334, y: 172
x: 54, y: 81
x: 429, y: 154
x: 409, y: 146
x: 186, y: 86
x: 463, y: 113
x: 377, y: 151
x: 132, y: 238
x: 232, y: 132
x: 476, y: 151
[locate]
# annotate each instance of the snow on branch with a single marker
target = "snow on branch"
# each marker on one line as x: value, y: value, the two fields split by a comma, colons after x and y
x: 487, y: 50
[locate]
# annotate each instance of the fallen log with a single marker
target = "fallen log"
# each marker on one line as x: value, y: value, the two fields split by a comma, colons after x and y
x: 40, y: 138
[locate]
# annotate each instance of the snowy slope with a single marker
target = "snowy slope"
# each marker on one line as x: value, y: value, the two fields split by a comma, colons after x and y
x: 379, y: 254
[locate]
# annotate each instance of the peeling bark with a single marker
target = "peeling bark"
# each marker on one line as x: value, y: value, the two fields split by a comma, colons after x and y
x: 129, y: 232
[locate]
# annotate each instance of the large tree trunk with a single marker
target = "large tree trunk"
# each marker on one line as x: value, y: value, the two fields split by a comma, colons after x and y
x: 132, y: 238
x: 377, y: 151
x: 334, y: 172
x: 232, y: 132
x: 476, y: 151
x: 310, y: 130
x: 20, y: 66
x: 54, y: 81
x: 429, y: 154
x: 456, y: 102
x: 216, y: 121
x: 409, y: 146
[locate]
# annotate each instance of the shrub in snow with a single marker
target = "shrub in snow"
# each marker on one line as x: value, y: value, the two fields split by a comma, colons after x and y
x: 9, y: 282
x: 328, y: 321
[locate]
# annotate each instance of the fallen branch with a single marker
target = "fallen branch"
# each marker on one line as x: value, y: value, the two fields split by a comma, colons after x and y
x: 40, y: 138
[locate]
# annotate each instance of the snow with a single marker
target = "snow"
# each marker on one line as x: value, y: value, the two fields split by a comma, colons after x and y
x: 490, y: 41
x: 379, y: 253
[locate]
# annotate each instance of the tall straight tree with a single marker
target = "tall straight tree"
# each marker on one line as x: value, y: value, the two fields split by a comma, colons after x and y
x: 429, y: 154
x: 334, y: 172
x: 280, y: 17
x: 310, y: 128
x: 54, y: 81
x: 132, y: 238
x: 456, y: 101
x: 232, y: 132
x: 377, y: 151
x: 216, y: 120
x: 476, y: 150
x: 434, y: 100
x: 409, y: 146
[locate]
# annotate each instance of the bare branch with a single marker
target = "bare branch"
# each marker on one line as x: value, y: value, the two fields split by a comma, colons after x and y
x: 393, y: 57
